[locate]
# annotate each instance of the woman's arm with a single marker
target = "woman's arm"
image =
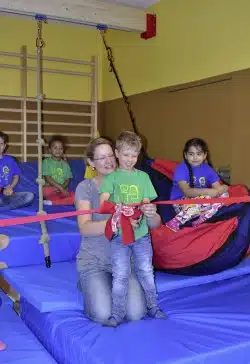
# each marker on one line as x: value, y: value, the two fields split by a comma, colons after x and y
x: 153, y: 218
x: 196, y: 192
x: 104, y: 196
x: 86, y: 226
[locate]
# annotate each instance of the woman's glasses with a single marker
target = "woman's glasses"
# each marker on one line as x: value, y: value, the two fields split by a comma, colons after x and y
x: 104, y: 158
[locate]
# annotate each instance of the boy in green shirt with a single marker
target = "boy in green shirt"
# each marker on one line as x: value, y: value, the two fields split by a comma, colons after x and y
x: 128, y: 185
x: 57, y: 175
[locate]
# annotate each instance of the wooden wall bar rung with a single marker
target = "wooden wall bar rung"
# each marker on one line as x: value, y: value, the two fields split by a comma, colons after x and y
x: 76, y: 120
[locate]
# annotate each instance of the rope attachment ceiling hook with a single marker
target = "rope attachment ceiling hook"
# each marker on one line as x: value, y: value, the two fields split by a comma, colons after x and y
x: 40, y: 19
x: 112, y: 68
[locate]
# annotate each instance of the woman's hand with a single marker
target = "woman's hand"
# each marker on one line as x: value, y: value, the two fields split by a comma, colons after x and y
x: 135, y: 222
x: 153, y: 218
x: 149, y: 210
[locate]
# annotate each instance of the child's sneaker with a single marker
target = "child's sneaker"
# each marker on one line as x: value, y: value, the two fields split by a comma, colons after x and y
x: 47, y: 202
x: 111, y: 322
x: 173, y: 225
x: 157, y: 313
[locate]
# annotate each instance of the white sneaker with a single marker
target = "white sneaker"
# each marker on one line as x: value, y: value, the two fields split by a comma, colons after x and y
x: 47, y: 202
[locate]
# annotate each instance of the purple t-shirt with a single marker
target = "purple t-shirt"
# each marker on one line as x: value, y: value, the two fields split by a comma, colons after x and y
x: 204, y: 177
x: 8, y: 169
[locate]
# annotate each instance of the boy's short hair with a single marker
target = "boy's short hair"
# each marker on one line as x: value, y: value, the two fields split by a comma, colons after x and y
x: 4, y: 137
x: 57, y: 138
x: 128, y: 139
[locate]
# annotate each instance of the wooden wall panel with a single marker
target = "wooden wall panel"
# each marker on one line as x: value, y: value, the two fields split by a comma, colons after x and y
x: 14, y: 130
x: 215, y: 109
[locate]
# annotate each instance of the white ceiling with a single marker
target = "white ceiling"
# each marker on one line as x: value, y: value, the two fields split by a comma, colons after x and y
x: 134, y: 3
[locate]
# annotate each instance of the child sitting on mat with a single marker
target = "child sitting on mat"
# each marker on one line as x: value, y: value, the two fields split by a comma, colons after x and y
x: 195, y: 178
x: 128, y: 185
x: 9, y: 178
x: 57, y: 175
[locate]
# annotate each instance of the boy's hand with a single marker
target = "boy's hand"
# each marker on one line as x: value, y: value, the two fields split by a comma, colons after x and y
x: 8, y: 191
x: 135, y: 222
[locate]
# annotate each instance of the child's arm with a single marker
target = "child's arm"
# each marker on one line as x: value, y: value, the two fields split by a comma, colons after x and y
x: 221, y: 188
x: 148, y: 209
x: 8, y: 191
x: 15, y: 181
x: 56, y: 185
x: 196, y: 192
x: 66, y: 183
x: 68, y: 176
x: 53, y: 183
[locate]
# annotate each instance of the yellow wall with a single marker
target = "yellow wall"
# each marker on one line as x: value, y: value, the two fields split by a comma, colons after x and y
x: 196, y: 39
x: 61, y: 41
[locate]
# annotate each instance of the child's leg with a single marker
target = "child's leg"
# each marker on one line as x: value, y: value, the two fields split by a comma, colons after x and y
x: 187, y: 212
x: 143, y: 254
x: 16, y: 201
x: 49, y: 193
x: 209, y: 211
x: 54, y: 197
x: 121, y: 270
x: 64, y: 200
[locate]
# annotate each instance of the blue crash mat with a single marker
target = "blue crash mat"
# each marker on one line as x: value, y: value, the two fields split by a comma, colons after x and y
x: 24, y: 248
x: 4, y: 299
x: 56, y: 288
x: 22, y: 346
x: 207, y: 324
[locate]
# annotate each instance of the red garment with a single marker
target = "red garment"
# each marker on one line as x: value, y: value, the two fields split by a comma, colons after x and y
x: 238, y: 191
x: 128, y: 237
x: 56, y: 197
x: 165, y: 167
x: 190, y: 245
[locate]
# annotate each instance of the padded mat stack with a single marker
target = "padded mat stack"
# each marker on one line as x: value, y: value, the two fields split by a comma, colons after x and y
x: 208, y: 319
x: 207, y: 324
x: 208, y: 316
x: 22, y: 346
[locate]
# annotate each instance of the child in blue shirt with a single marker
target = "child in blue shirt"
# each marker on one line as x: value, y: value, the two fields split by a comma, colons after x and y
x: 9, y: 178
x: 195, y: 178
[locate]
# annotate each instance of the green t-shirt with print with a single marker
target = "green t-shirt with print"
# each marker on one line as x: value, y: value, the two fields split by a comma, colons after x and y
x: 58, y: 170
x: 129, y: 187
